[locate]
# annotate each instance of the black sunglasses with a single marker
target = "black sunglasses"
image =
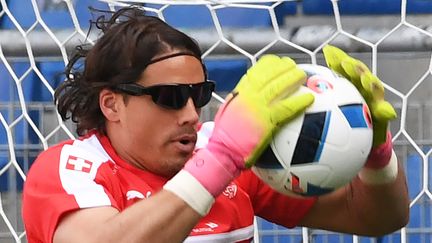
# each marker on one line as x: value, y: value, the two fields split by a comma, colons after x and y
x: 172, y: 96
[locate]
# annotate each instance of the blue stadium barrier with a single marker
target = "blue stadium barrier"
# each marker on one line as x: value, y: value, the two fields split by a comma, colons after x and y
x: 55, y: 16
x: 24, y: 136
x: 414, y: 172
x: 9, y: 95
x: 58, y: 17
x: 226, y: 73
x: 186, y: 16
x: 420, y: 213
x: 360, y: 7
x: 268, y: 236
x: 323, y: 238
x: 54, y: 73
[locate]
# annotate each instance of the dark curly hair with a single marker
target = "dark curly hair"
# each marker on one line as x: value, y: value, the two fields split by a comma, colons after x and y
x: 130, y: 42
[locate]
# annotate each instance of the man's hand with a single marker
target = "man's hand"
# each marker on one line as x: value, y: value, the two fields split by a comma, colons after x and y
x: 369, y: 86
x: 259, y: 105
x: 381, y: 166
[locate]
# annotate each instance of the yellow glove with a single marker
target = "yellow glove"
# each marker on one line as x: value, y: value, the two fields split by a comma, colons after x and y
x: 368, y: 84
x: 259, y: 105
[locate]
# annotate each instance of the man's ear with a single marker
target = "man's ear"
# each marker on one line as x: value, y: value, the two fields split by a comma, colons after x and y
x: 109, y: 103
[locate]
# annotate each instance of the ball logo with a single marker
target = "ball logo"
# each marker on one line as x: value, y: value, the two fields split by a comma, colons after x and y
x: 295, y: 184
x: 367, y: 115
x: 318, y: 84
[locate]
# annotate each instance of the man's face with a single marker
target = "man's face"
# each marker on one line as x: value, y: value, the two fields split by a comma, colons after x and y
x: 154, y: 138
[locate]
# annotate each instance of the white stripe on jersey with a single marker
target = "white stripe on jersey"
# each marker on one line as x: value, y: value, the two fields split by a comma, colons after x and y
x: 79, y: 183
x: 233, y: 236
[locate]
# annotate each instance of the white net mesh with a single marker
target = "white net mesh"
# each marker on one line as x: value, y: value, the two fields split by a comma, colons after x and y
x: 392, y: 37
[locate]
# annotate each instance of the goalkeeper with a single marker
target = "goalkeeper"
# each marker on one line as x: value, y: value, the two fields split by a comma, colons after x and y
x: 137, y: 174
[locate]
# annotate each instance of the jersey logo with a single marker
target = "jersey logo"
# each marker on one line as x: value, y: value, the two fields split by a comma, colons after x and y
x: 78, y: 164
x: 230, y: 191
x: 132, y: 194
x: 212, y: 225
x: 210, y: 228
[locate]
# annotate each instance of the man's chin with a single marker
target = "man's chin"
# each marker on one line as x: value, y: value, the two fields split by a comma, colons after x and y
x: 174, y: 168
x: 171, y: 173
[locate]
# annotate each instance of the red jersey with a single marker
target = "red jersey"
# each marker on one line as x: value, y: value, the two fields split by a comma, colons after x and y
x: 87, y: 172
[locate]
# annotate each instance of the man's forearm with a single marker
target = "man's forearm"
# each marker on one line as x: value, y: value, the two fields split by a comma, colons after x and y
x: 382, y: 208
x: 162, y: 218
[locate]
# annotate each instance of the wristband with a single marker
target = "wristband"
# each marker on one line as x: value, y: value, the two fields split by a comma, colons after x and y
x: 380, y: 156
x: 190, y: 190
x: 202, y: 179
x: 384, y: 175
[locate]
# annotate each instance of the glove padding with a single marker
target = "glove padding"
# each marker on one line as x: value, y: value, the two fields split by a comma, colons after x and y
x: 368, y: 85
x: 258, y: 106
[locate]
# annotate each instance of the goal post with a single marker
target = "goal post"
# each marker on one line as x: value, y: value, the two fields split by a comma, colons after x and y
x: 394, y: 37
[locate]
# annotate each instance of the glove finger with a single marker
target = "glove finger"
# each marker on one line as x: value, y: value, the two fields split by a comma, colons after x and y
x: 352, y: 69
x: 266, y: 69
x: 379, y: 134
x: 243, y: 84
x: 287, y: 109
x: 263, y: 71
x: 284, y: 85
x: 372, y: 86
x: 333, y: 57
x: 382, y: 111
x: 288, y: 63
x: 345, y: 65
x: 221, y: 109
x: 255, y: 75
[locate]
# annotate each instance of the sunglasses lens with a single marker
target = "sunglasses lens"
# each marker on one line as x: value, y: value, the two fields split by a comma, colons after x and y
x: 172, y: 97
x: 202, y: 93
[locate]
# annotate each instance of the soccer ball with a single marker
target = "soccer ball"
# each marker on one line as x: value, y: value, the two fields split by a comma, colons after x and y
x: 324, y: 148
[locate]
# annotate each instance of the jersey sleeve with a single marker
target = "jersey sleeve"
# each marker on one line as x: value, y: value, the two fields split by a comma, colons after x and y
x: 61, y: 180
x: 272, y: 205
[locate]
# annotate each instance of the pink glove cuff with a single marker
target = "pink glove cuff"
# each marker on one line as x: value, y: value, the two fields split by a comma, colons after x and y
x: 380, y: 156
x: 213, y: 171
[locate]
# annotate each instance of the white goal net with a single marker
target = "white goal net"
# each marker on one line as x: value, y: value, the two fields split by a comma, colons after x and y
x: 394, y: 37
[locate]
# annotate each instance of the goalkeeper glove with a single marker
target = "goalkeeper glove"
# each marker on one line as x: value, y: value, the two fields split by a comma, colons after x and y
x: 381, y: 158
x: 368, y: 85
x: 258, y: 106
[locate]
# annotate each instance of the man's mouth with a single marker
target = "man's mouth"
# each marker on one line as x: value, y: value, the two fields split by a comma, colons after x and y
x: 186, y: 143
